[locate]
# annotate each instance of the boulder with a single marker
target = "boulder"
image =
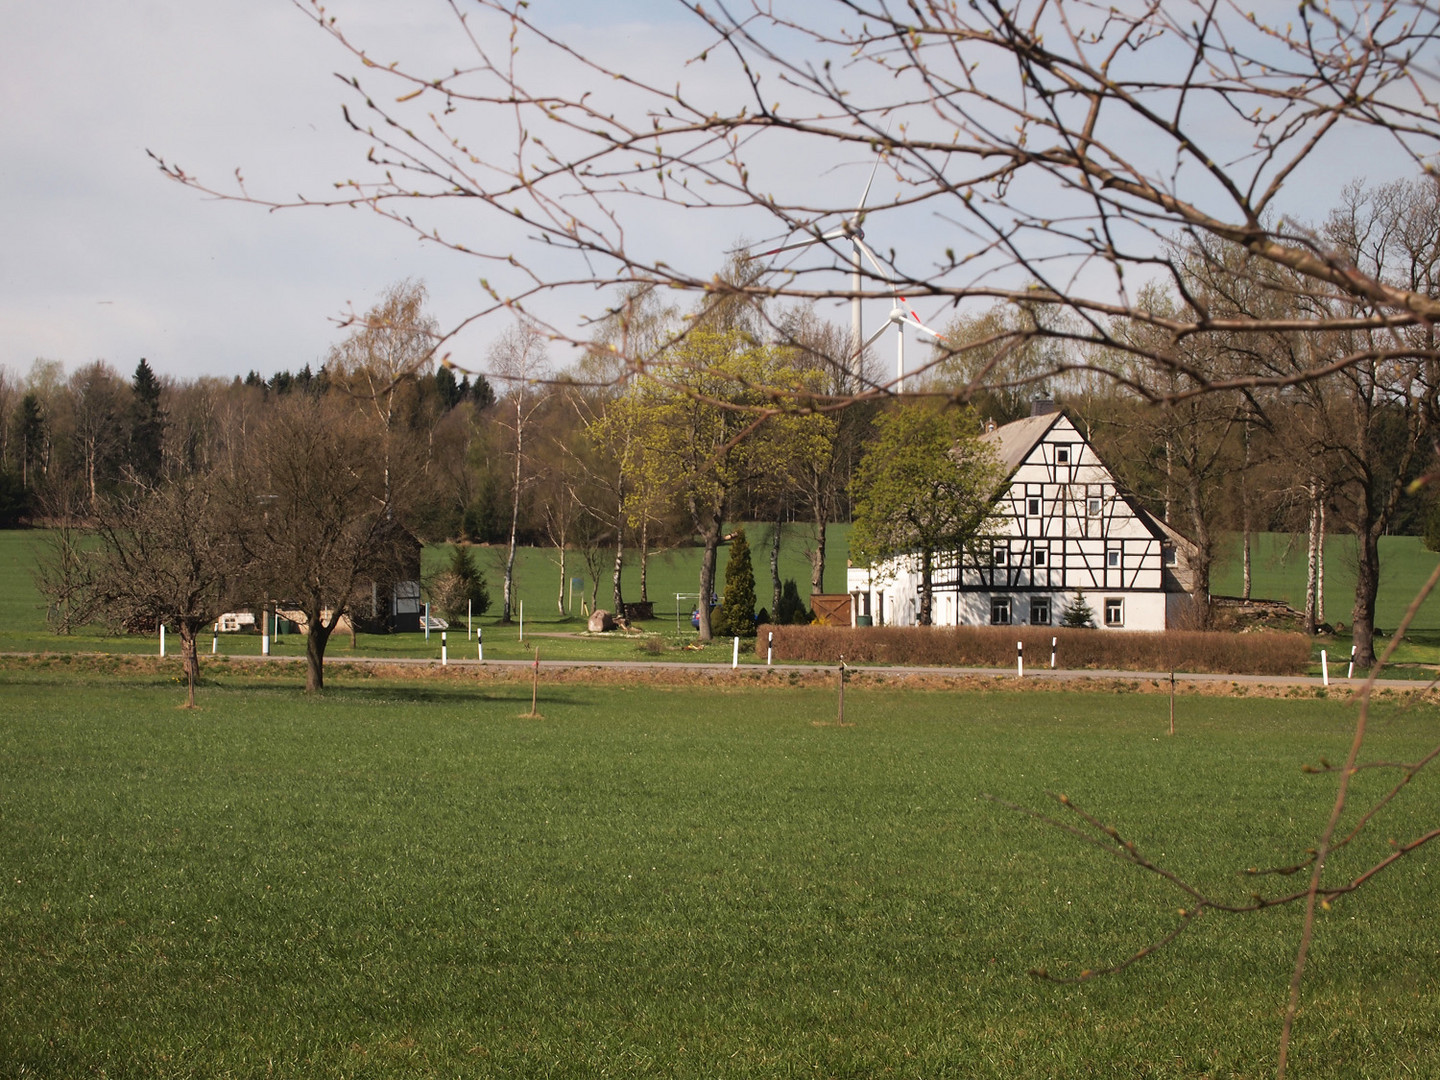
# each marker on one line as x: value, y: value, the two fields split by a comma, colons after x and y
x: 601, y: 621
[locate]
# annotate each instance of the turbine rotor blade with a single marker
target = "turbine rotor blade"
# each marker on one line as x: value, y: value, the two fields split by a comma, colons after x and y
x: 833, y: 234
x: 860, y: 207
x: 876, y: 335
x: 870, y: 255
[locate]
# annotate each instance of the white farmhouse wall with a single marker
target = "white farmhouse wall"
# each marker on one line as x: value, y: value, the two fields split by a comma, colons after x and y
x: 1065, y: 527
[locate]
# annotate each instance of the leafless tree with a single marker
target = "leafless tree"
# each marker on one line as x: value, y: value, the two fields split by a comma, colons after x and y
x: 315, y: 516
x: 518, y: 361
x: 168, y: 554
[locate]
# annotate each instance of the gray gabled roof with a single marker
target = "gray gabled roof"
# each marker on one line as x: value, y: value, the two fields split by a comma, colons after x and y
x: 1013, y: 442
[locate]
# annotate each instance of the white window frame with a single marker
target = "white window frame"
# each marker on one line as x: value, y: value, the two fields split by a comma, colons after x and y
x: 1036, y: 603
x: 1094, y: 506
x: 1062, y: 455
x: 1000, y: 555
x: 1034, y: 506
x: 1114, y: 605
x: 1040, y: 557
x: 1114, y: 558
x: 997, y: 604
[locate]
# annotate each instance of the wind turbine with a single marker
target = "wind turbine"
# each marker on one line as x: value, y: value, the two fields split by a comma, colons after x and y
x: 901, y: 315
x: 852, y: 229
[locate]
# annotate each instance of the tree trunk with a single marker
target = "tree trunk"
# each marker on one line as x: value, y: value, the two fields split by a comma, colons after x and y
x: 711, y: 537
x: 1204, y: 552
x: 561, y: 602
x: 1320, y: 561
x: 1367, y: 586
x: 514, y: 522
x: 1312, y: 622
x: 190, y: 657
x: 615, y: 580
x: 1245, y: 511
x: 644, y: 559
x: 315, y: 642
x: 775, y: 569
x: 817, y: 557
x: 927, y: 572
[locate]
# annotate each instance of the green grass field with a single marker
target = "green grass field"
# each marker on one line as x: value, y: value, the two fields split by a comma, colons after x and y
x: 411, y: 880
x: 537, y: 576
x: 1279, y: 574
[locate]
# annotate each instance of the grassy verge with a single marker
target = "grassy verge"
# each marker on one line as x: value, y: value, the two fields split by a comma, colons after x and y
x: 409, y: 879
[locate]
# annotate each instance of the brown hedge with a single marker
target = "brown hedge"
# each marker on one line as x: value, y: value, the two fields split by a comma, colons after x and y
x: 1260, y: 653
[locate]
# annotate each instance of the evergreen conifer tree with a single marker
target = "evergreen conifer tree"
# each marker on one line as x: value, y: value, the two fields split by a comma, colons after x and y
x: 1077, y: 614
x: 737, y: 609
x: 147, y: 424
x: 463, y: 589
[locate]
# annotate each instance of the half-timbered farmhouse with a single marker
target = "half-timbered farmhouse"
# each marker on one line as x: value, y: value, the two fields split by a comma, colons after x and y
x: 1065, y: 527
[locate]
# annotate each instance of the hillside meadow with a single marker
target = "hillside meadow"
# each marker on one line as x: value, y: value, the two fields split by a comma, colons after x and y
x: 1279, y: 573
x: 414, y: 879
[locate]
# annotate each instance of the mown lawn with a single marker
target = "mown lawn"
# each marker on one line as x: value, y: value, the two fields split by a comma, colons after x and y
x: 412, y: 880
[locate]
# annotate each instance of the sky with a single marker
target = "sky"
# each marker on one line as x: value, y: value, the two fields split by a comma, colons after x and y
x: 102, y: 257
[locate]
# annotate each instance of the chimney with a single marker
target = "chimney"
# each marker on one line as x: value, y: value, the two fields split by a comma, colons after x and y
x: 1042, y: 406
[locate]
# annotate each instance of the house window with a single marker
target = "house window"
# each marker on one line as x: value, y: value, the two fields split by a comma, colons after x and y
x: 1000, y: 554
x: 1040, y: 611
x: 1112, y: 558
x: 1040, y: 556
x: 1114, y: 611
x: 1032, y: 506
x: 1000, y: 611
x: 1170, y: 556
x: 1062, y: 457
x: 1093, y: 506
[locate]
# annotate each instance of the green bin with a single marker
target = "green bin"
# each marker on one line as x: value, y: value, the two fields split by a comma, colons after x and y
x: 864, y: 620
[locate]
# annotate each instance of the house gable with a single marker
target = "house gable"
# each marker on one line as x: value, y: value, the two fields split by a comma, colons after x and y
x: 1065, y: 525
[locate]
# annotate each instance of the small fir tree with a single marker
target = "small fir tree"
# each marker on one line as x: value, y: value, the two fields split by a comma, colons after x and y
x: 1077, y: 614
x: 737, y: 609
x: 147, y: 424
x: 791, y: 610
x: 462, y: 588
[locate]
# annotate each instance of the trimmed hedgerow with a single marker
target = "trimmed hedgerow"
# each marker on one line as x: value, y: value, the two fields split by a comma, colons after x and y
x: 1265, y: 653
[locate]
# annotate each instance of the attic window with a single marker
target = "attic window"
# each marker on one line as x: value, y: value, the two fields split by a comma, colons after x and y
x: 1062, y: 455
x: 1032, y: 506
x: 1171, y: 558
x: 1093, y: 506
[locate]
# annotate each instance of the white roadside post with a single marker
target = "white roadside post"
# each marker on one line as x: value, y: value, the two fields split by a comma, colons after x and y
x: 1324, y: 668
x: 480, y: 643
x: 469, y: 617
x: 1053, y: 640
x: 215, y: 641
x: 444, y: 651
x: 1019, y: 659
x: 162, y: 641
x: 522, y: 622
x: 769, y: 646
x: 265, y: 631
x: 735, y: 656
x: 1350, y: 674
